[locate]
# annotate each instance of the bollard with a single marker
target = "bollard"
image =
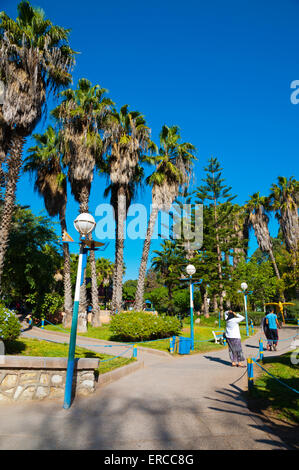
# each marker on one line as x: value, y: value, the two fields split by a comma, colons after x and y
x: 252, y: 329
x: 30, y: 322
x: 135, y: 350
x: 171, y: 345
x: 250, y: 373
x: 298, y: 321
x: 43, y: 324
x: 261, y: 349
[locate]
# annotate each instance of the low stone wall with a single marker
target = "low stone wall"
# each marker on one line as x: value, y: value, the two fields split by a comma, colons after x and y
x: 37, y: 378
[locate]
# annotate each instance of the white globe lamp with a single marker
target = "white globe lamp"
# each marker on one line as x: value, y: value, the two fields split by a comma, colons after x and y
x: 244, y: 286
x: 84, y: 223
x: 190, y: 269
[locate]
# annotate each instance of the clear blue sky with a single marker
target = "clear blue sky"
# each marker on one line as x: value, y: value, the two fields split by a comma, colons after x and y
x: 219, y: 70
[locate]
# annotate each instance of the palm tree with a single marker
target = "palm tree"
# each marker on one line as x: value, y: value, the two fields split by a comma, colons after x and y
x: 126, y: 138
x: 44, y: 161
x: 284, y: 198
x: 81, y: 114
x: 35, y: 60
x: 173, y: 168
x: 258, y: 219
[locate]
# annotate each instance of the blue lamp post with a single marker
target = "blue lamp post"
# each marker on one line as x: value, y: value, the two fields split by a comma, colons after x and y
x: 191, y: 270
x: 244, y: 287
x: 84, y: 224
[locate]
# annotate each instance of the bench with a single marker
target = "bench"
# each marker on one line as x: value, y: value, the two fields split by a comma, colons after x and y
x: 218, y: 336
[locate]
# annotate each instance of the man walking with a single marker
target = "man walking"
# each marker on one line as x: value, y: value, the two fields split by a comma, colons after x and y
x: 273, y: 325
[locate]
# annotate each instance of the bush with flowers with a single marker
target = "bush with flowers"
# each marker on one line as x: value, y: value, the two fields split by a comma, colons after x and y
x: 10, y: 327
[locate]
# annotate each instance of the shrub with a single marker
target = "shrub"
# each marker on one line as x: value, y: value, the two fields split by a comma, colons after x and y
x: 134, y: 326
x: 10, y: 327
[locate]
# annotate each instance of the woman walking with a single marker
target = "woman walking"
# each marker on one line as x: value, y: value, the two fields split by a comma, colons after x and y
x: 233, y: 337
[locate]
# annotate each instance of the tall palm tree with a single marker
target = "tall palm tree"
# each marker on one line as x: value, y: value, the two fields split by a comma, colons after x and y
x: 35, y: 60
x: 81, y: 114
x: 284, y: 198
x: 173, y: 168
x: 126, y: 138
x: 44, y: 161
x: 258, y: 219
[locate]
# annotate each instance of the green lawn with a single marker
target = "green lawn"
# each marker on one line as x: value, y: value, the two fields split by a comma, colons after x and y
x: 202, y: 333
x: 271, y: 395
x: 35, y: 347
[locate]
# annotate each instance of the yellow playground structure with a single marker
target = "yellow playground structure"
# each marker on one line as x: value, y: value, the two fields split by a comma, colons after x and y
x: 279, y: 307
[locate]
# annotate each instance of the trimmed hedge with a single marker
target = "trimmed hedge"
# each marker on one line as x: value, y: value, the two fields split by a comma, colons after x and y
x: 142, y: 326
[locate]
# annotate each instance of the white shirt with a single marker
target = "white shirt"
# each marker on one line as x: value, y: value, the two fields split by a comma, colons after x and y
x: 232, y: 326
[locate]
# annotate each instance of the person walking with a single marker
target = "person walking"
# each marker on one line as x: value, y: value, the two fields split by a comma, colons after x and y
x: 265, y: 329
x: 273, y: 325
x: 233, y: 338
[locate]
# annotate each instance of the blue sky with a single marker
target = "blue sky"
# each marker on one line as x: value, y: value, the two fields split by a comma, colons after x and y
x: 219, y: 70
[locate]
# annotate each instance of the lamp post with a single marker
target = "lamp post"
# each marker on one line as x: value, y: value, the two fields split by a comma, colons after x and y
x: 244, y: 287
x: 84, y: 224
x: 191, y: 270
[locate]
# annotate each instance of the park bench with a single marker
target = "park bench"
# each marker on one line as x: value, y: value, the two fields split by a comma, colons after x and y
x: 218, y: 336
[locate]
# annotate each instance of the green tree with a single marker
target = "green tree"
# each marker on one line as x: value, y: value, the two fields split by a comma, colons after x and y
x: 173, y: 169
x: 35, y: 61
x: 218, y: 195
x: 44, y: 161
x: 126, y: 139
x: 33, y: 258
x: 82, y: 113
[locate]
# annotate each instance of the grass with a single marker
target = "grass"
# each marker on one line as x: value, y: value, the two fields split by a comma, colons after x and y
x: 35, y: 347
x: 271, y: 396
x: 202, y: 333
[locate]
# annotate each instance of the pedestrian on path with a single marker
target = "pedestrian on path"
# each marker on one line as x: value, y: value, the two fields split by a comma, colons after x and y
x: 233, y: 337
x: 265, y: 328
x: 273, y: 325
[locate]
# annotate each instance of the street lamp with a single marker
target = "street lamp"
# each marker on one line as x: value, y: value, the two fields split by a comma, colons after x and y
x: 190, y: 271
x: 244, y: 287
x: 84, y: 224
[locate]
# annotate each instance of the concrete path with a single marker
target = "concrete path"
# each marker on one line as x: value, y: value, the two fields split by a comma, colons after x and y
x: 188, y: 402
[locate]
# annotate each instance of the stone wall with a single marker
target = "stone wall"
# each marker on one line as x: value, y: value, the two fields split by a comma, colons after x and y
x: 37, y: 378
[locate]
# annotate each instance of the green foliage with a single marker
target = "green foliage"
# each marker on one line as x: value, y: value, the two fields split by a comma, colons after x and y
x: 141, y: 326
x: 52, y: 304
x: 129, y: 289
x: 10, y: 327
x: 159, y: 298
x: 32, y: 257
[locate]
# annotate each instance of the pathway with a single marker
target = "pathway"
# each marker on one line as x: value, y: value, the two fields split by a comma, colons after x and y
x: 188, y: 402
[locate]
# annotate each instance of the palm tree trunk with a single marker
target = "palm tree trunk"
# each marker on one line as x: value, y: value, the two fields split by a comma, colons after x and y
x: 119, y: 259
x: 94, y: 284
x: 67, y: 284
x: 13, y: 173
x: 274, y: 264
x: 146, y: 248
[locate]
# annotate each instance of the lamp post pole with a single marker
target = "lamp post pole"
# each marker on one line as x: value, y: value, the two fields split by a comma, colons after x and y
x: 244, y: 289
x: 73, y: 336
x: 84, y: 224
x: 190, y: 271
x: 191, y: 315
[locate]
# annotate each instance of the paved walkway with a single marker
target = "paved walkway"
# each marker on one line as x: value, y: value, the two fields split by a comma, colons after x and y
x: 188, y: 402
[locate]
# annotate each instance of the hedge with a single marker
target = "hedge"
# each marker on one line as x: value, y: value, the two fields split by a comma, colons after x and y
x: 141, y: 326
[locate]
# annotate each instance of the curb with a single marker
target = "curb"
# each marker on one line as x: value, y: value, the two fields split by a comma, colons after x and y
x: 112, y: 376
